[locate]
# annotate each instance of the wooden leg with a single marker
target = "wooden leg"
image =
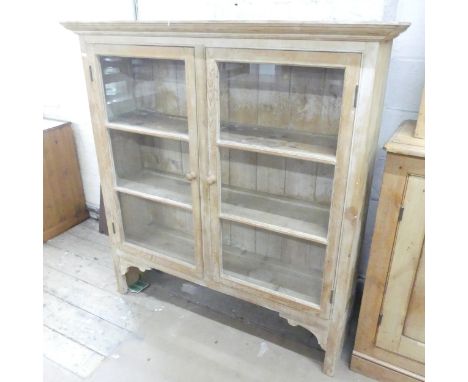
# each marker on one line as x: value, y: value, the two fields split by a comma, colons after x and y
x: 122, y: 286
x: 330, y: 360
x: 126, y: 274
x: 334, y: 346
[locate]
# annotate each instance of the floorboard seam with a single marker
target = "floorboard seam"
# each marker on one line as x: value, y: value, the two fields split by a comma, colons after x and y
x: 75, y: 341
x: 87, y: 311
x: 73, y: 275
x: 83, y: 281
x: 110, y: 290
x: 102, y: 246
x: 63, y: 367
x: 78, y: 255
x: 94, y: 314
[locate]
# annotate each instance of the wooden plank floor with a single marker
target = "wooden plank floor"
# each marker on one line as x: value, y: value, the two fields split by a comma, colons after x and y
x: 173, y: 331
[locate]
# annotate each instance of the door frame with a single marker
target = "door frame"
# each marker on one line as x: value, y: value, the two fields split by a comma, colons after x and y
x: 351, y: 63
x: 105, y: 157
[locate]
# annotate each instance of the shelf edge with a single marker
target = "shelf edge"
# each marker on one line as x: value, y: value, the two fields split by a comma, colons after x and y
x: 147, y: 131
x: 153, y: 198
x: 274, y: 228
x: 319, y: 158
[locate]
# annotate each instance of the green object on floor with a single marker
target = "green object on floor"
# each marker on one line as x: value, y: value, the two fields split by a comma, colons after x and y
x: 138, y: 286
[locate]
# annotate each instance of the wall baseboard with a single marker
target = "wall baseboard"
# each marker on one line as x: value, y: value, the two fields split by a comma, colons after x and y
x: 94, y: 211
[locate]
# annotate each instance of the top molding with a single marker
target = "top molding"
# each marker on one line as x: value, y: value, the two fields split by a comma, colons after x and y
x: 246, y: 29
x: 404, y: 142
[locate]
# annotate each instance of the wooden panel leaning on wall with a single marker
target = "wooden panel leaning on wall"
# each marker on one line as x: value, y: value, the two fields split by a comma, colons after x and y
x: 390, y: 337
x: 63, y: 199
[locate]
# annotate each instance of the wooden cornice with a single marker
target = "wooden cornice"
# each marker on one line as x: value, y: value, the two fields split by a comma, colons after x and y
x: 246, y: 29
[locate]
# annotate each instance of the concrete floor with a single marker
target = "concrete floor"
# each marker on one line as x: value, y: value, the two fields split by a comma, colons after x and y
x: 173, y: 331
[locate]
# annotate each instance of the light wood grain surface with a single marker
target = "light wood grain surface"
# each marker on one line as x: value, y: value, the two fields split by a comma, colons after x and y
x: 390, y: 340
x: 404, y: 142
x: 253, y: 29
x: 63, y: 199
x: 271, y: 126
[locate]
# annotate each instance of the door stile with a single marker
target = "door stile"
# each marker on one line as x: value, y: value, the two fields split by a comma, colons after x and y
x: 343, y: 151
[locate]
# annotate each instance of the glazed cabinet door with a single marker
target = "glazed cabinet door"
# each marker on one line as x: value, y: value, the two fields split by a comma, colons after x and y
x: 147, y: 126
x: 280, y: 126
x: 401, y: 328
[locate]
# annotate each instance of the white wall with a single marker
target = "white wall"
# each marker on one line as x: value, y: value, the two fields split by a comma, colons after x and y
x: 65, y: 92
x: 64, y: 88
x: 402, y: 98
x: 262, y: 10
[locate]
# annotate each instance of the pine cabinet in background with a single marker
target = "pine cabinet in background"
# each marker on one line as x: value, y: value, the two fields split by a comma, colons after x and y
x: 390, y: 340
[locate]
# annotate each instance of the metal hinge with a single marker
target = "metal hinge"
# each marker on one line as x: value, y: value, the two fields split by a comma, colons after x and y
x: 400, y: 214
x: 113, y: 227
x: 379, y: 321
x: 91, y: 73
x: 355, y: 95
x: 332, y: 295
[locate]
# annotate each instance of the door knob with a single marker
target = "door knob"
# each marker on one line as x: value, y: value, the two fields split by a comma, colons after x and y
x: 191, y: 175
x: 211, y: 179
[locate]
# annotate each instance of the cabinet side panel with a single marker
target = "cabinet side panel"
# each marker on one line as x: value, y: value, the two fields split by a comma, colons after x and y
x: 396, y: 169
x: 369, y: 106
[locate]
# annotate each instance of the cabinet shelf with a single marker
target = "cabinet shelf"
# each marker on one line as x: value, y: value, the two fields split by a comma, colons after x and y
x: 279, y: 214
x: 149, y: 123
x: 270, y: 140
x: 163, y: 241
x: 157, y: 186
x: 271, y: 274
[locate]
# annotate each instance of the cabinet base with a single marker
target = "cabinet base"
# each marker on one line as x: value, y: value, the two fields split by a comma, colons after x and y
x: 382, y: 372
x: 126, y: 273
x: 128, y: 270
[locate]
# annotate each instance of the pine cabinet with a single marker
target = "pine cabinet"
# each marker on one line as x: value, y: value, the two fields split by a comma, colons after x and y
x: 236, y: 155
x: 390, y: 340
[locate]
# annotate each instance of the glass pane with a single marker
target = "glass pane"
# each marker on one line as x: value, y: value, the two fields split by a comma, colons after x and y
x: 164, y: 229
x: 152, y: 165
x: 289, y: 107
x: 145, y: 92
x: 277, y: 262
x: 284, y: 192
